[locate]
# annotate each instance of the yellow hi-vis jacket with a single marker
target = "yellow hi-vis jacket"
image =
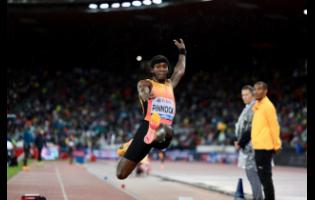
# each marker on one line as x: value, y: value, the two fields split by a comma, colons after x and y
x: 265, y: 133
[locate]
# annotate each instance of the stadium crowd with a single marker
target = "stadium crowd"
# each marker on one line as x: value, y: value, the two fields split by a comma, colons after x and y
x: 100, y: 107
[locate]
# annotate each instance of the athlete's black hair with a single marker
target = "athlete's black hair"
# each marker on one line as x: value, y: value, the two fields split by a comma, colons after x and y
x: 159, y: 59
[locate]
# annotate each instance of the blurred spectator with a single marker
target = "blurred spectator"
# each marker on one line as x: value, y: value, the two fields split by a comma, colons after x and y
x: 70, y: 141
x: 27, y: 143
x: 9, y: 152
x: 40, y: 142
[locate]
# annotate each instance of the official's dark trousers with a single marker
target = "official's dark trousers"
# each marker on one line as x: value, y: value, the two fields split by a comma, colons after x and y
x: 263, y: 160
x: 26, y: 149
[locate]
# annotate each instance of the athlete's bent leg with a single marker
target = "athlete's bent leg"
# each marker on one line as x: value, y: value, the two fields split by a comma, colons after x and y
x: 136, y: 151
x: 125, y: 167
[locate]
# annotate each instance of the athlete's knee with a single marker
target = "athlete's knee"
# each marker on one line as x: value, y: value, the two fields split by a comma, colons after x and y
x: 124, y: 168
x: 121, y: 174
x: 168, y: 130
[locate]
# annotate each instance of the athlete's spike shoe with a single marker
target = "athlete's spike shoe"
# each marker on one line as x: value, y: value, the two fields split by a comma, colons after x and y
x: 123, y: 148
x: 154, y: 124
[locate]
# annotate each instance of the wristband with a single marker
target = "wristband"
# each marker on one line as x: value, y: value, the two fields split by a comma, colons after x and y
x: 182, y: 51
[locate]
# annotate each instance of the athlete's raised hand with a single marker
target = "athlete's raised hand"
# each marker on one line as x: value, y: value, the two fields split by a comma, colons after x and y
x: 180, y: 44
x: 179, y: 69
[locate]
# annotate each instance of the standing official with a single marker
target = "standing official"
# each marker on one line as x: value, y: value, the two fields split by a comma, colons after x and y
x: 246, y: 159
x: 265, y: 136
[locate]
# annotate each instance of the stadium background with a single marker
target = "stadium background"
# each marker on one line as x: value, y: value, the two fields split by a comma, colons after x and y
x: 73, y: 69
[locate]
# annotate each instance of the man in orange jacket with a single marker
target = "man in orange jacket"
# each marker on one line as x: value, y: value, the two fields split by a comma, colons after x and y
x: 265, y: 137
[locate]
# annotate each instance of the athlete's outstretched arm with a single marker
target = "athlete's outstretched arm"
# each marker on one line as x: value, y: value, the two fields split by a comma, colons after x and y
x: 180, y: 66
x: 144, y: 89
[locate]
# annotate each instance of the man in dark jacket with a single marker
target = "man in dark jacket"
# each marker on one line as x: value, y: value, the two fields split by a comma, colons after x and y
x: 40, y: 142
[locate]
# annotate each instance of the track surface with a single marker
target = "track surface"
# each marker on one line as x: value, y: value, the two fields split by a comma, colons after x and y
x: 58, y: 180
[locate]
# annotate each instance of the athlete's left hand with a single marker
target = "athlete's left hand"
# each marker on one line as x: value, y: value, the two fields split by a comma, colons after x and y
x: 180, y: 44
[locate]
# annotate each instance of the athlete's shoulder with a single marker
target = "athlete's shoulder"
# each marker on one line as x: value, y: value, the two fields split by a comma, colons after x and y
x: 144, y: 83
